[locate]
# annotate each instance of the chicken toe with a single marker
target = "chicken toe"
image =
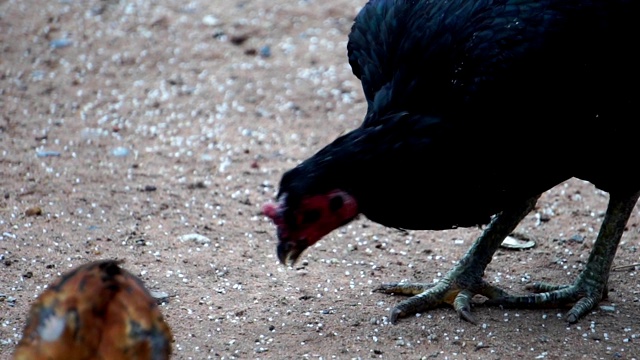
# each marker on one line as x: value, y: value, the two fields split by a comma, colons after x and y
x: 461, y: 283
x: 591, y: 285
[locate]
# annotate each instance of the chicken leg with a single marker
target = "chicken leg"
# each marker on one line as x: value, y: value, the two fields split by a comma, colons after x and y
x: 591, y: 285
x: 465, y: 280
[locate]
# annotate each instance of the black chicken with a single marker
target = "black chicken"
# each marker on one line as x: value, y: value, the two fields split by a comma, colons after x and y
x: 463, y: 98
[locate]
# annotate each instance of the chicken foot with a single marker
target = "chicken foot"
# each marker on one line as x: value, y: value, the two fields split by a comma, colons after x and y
x: 591, y: 285
x: 461, y: 283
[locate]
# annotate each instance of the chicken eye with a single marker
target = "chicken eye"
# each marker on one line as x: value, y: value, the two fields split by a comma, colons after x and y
x: 310, y: 216
x: 336, y: 203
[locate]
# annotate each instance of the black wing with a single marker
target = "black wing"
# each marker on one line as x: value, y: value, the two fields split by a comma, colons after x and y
x: 432, y: 57
x: 390, y: 35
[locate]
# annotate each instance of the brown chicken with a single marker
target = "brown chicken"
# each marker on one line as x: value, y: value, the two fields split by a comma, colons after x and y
x: 96, y: 311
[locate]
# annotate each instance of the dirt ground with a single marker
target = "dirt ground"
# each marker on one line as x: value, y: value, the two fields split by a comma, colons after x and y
x: 131, y: 124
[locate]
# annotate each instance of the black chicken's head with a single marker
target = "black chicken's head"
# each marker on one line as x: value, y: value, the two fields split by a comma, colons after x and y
x: 302, y: 221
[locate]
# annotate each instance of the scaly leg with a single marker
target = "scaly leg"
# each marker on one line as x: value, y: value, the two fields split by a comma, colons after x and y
x: 591, y: 285
x: 465, y: 280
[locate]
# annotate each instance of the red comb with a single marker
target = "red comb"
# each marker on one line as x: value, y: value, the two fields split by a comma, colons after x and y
x: 271, y: 210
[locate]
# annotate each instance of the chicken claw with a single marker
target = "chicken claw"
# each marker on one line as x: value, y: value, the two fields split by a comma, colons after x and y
x: 427, y: 296
x: 459, y: 285
x: 591, y: 285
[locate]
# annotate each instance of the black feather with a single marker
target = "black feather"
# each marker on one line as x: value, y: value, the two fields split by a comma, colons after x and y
x: 474, y: 105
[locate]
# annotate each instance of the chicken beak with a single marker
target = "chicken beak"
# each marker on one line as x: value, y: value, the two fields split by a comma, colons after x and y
x: 289, y: 250
x: 290, y: 245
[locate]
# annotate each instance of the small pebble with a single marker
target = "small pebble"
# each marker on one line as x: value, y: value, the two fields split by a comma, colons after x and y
x: 120, y: 152
x: 60, y: 43
x: 33, y: 211
x: 518, y: 242
x: 47, y: 153
x: 577, y: 238
x: 265, y: 51
x: 160, y: 296
x: 301, y: 272
x: 197, y: 185
x: 210, y: 20
x: 197, y: 238
x: 608, y: 308
x: 97, y: 10
x: 38, y: 75
x: 150, y: 188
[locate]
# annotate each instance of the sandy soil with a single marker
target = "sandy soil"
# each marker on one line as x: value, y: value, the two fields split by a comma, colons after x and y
x: 130, y: 124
